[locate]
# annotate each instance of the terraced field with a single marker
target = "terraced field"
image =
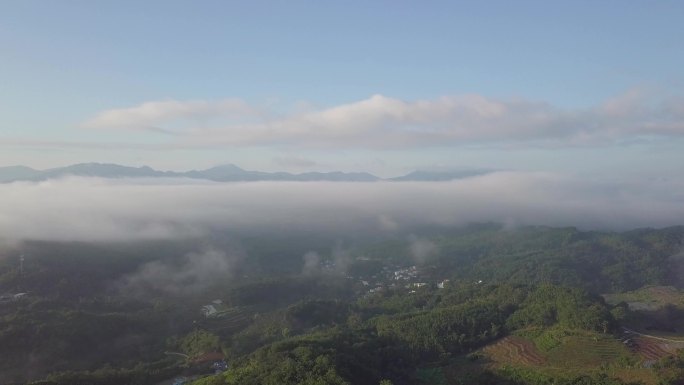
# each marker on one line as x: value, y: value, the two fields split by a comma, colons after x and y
x: 653, y: 349
x: 573, y: 352
x: 590, y: 350
x: 576, y: 354
x: 230, y: 320
x: 514, y: 350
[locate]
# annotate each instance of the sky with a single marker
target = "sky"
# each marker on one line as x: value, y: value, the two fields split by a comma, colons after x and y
x: 576, y: 88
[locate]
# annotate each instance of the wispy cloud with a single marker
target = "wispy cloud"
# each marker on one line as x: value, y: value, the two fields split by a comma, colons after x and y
x: 294, y: 161
x: 421, y: 249
x: 193, y: 273
x: 155, y: 114
x: 385, y: 122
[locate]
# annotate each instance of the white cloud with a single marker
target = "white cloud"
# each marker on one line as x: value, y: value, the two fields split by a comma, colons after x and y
x: 94, y: 209
x: 150, y: 115
x: 385, y: 122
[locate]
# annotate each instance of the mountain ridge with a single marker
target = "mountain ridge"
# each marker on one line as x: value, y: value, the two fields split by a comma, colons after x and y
x: 222, y: 173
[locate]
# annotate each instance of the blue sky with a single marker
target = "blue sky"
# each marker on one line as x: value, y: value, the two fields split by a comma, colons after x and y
x: 386, y: 87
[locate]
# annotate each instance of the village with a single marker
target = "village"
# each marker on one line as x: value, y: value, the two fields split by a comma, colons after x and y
x: 389, y: 277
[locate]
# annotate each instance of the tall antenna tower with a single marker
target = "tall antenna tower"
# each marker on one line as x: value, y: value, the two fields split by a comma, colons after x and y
x: 21, y: 265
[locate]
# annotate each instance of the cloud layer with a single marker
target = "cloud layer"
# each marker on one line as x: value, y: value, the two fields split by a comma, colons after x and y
x: 386, y: 122
x: 95, y: 209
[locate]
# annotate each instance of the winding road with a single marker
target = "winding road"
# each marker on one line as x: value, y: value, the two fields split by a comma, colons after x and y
x: 177, y: 354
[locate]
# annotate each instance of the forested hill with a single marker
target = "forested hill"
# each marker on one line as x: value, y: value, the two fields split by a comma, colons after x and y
x: 597, y: 261
x: 483, y: 304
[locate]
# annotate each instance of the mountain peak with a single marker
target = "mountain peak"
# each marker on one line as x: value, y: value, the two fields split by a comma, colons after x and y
x: 226, y: 167
x: 442, y: 175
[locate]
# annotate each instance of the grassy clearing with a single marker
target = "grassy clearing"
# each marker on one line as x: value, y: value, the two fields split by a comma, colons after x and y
x: 647, y: 376
x: 648, y: 297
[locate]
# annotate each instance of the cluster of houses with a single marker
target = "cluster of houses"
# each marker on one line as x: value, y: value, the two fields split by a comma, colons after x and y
x: 219, y: 366
x: 416, y: 285
x: 406, y: 273
x: 408, y: 277
x: 328, y: 266
x: 217, y: 363
x: 376, y: 289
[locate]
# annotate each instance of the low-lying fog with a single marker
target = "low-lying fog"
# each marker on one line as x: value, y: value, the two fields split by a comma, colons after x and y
x: 103, y: 209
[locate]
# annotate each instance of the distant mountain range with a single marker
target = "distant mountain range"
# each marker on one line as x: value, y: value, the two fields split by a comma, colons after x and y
x: 227, y: 173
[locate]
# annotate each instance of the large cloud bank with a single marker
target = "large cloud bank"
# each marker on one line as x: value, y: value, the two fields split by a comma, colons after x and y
x: 98, y: 209
x: 386, y: 122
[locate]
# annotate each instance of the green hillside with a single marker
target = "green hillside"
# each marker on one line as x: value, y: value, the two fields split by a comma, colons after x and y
x: 487, y: 304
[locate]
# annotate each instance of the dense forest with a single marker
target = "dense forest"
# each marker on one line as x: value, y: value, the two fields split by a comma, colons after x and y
x: 477, y: 304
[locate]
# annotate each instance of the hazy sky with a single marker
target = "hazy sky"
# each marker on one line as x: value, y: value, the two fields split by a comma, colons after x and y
x: 573, y: 87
